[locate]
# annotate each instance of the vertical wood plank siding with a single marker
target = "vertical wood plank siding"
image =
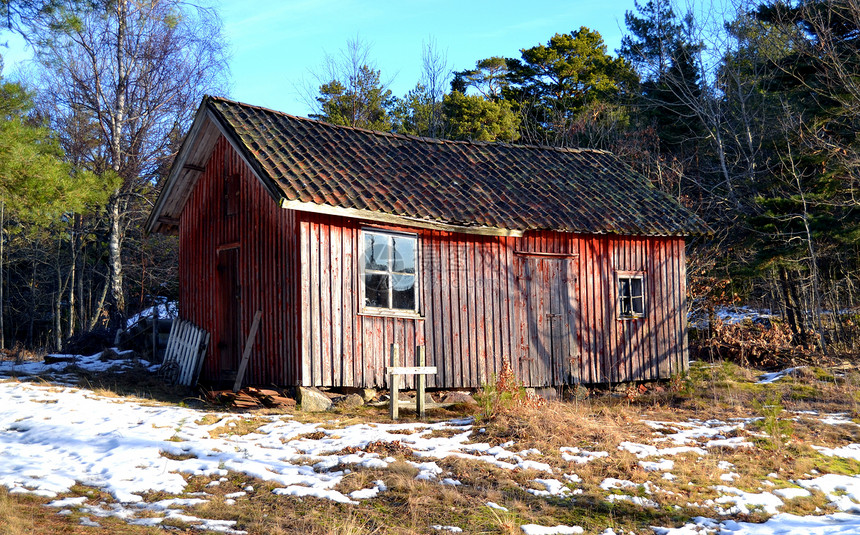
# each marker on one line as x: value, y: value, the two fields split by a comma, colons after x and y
x: 483, y: 300
x: 267, y: 243
x: 476, y: 310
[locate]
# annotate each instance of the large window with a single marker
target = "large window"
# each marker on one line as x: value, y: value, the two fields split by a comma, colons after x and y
x: 389, y: 278
x: 631, y: 295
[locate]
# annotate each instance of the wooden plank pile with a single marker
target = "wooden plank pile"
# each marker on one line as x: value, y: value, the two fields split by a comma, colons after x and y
x: 186, y: 348
x: 251, y: 398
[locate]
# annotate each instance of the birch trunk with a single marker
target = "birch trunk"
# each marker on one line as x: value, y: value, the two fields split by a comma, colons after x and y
x: 115, y: 213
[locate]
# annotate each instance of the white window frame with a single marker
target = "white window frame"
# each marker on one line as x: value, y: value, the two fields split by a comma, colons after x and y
x: 621, y: 275
x: 388, y: 311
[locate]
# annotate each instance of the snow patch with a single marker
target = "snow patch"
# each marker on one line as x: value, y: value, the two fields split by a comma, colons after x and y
x: 536, y: 529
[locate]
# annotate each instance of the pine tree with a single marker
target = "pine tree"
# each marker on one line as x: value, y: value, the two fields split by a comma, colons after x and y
x: 361, y: 101
x: 554, y: 83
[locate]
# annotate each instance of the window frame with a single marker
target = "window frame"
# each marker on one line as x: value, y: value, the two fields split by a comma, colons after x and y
x: 631, y: 275
x: 364, y: 309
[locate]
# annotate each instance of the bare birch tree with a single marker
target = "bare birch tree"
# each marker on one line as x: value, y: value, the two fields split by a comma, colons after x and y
x: 135, y: 69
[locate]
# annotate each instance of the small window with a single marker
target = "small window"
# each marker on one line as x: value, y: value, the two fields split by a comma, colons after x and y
x: 631, y: 295
x: 389, y: 276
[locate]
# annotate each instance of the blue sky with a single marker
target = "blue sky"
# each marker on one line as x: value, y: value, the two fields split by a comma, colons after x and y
x: 277, y: 45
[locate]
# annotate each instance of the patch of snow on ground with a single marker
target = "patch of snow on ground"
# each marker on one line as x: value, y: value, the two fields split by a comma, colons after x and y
x: 578, y: 456
x: 696, y: 430
x: 851, y: 451
x: 662, y: 465
x: 745, y: 502
x: 839, y: 418
x: 536, y: 529
x: 428, y: 471
x: 699, y: 526
x: 646, y: 450
x: 553, y: 487
x: 780, y: 524
x: 573, y: 478
x: 494, y: 505
x: 789, y: 493
x: 636, y: 500
x: 767, y: 378
x: 96, y: 363
x: 452, y: 529
x: 364, y: 494
x: 844, y: 491
x: 65, y: 502
x: 612, y: 483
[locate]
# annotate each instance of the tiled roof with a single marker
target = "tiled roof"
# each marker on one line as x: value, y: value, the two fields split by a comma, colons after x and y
x: 467, y: 184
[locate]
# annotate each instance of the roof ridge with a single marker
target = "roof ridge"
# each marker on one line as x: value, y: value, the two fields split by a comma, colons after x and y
x: 410, y: 137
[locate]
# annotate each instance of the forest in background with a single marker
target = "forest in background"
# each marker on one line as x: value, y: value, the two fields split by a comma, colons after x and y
x: 749, y: 119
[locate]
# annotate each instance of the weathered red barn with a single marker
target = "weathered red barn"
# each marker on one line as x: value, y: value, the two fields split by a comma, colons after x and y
x: 563, y: 262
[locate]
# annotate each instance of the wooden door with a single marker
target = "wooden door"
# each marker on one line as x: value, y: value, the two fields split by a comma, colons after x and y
x: 229, y: 313
x: 551, y: 319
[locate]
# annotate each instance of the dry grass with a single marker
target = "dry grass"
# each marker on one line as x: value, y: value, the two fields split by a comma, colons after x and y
x: 12, y: 516
x: 27, y: 515
x: 241, y: 426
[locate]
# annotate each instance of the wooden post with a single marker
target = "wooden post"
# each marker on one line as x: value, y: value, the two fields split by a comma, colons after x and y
x: 394, y: 381
x: 155, y: 321
x: 246, y: 354
x: 422, y: 384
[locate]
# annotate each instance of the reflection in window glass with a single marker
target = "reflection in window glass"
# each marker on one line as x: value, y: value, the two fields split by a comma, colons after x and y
x: 376, y: 252
x: 404, y: 254
x: 390, y: 271
x: 376, y: 290
x: 403, y: 292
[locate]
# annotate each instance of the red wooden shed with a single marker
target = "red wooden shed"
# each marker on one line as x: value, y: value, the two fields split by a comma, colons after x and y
x: 562, y: 262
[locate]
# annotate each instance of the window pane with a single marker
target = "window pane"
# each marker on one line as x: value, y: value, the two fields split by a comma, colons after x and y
x: 623, y: 287
x: 636, y: 287
x: 404, y: 254
x: 639, y: 306
x: 625, y: 306
x: 404, y: 292
x: 376, y: 290
x: 376, y: 252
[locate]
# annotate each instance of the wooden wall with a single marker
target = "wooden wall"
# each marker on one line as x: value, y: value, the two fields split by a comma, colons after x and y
x: 477, y: 302
x: 266, y: 240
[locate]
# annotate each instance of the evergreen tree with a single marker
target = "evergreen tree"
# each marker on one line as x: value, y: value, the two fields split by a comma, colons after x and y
x: 413, y: 114
x: 39, y: 191
x: 361, y: 101
x: 473, y: 117
x: 664, y: 55
x: 489, y: 78
x: 554, y: 83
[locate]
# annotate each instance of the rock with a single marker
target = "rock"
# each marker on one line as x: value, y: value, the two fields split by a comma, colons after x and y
x: 348, y: 401
x: 312, y: 399
x: 459, y: 397
x: 367, y: 394
x: 53, y: 359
